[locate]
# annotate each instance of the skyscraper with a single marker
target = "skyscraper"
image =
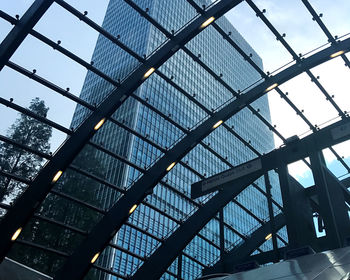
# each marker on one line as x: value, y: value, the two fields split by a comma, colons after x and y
x: 175, y: 113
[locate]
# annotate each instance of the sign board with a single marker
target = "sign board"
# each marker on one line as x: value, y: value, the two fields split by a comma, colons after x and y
x: 213, y: 183
x: 340, y: 131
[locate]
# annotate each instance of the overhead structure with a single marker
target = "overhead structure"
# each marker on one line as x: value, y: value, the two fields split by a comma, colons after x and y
x: 236, y: 179
x: 210, y: 195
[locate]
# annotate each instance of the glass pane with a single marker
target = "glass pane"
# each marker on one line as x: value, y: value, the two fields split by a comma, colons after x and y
x: 287, y: 122
x: 334, y: 76
x: 305, y: 95
x: 302, y: 173
x: 334, y: 14
x: 293, y: 19
x: 261, y: 39
x: 15, y: 8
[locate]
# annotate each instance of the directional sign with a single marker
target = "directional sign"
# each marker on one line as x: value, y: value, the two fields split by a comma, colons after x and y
x: 340, y: 131
x: 215, y: 182
x: 294, y: 149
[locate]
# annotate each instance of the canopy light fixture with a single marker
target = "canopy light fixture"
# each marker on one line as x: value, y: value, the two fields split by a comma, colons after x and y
x: 207, y: 22
x: 268, y: 237
x: 133, y: 208
x: 95, y: 257
x: 149, y: 72
x: 57, y: 176
x: 16, y: 234
x: 337, y: 54
x: 218, y: 124
x: 271, y: 87
x: 99, y: 124
x: 171, y: 166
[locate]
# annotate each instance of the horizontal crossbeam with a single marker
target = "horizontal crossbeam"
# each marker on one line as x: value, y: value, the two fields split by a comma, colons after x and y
x: 295, y: 150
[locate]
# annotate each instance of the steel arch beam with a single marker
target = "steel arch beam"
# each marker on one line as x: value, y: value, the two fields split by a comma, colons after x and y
x: 238, y: 254
x: 41, y: 185
x: 167, y: 252
x: 324, y: 28
x: 154, y: 267
x: 331, y: 135
x: 18, y: 33
x: 119, y: 213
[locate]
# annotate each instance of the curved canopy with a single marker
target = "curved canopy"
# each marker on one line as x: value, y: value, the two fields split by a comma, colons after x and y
x: 87, y: 199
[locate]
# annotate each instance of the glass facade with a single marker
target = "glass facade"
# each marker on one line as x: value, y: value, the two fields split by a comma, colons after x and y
x: 175, y: 113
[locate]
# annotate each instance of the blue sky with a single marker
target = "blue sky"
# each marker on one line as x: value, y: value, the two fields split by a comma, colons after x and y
x: 289, y: 17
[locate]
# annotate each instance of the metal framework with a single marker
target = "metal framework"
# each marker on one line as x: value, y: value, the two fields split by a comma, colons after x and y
x: 167, y: 252
x: 238, y: 254
x: 39, y: 188
x: 119, y: 213
x: 78, y: 264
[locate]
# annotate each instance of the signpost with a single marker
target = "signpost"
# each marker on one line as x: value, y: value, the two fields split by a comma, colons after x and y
x: 293, y: 150
x: 217, y: 181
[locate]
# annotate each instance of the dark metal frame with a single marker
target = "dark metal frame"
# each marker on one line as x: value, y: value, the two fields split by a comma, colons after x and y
x: 238, y: 254
x: 24, y: 27
x: 17, y: 35
x: 9, y: 141
x: 65, y: 93
x: 174, y: 244
x: 119, y: 213
x: 36, y: 192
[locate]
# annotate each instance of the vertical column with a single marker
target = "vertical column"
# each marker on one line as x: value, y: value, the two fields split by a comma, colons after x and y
x: 221, y: 232
x: 271, y: 215
x: 297, y: 211
x: 331, y: 202
x: 179, y: 267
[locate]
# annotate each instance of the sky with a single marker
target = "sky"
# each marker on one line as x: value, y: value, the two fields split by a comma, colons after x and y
x: 289, y: 17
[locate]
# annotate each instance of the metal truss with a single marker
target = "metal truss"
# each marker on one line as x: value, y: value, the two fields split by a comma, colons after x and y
x: 174, y: 244
x: 78, y: 264
x: 238, y: 254
x: 38, y: 189
x: 22, y: 29
x: 166, y: 253
x: 109, y: 225
x: 25, y: 111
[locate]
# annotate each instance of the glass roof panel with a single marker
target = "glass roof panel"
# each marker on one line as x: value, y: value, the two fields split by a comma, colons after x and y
x: 293, y: 19
x: 335, y: 15
x: 309, y: 100
x: 23, y: 91
x: 59, y: 71
x: 19, y: 9
x: 335, y: 77
x: 96, y: 12
x: 74, y: 35
x: 338, y: 169
x: 283, y: 233
x: 287, y: 122
x: 302, y: 173
x: 262, y: 40
x: 5, y: 28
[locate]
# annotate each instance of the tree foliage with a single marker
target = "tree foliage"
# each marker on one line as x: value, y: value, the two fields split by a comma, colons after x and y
x: 14, y: 160
x: 36, y: 135
x: 65, y: 211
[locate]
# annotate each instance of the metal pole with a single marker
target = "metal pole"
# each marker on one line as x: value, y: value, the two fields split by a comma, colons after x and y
x: 271, y: 215
x: 179, y: 267
x: 331, y: 201
x: 17, y: 35
x: 221, y: 232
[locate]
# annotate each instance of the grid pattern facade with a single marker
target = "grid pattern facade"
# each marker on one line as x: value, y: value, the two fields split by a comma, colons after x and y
x: 123, y: 22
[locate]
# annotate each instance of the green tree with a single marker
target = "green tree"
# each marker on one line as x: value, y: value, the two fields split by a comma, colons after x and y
x: 14, y: 160
x: 64, y: 211
x: 36, y: 135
